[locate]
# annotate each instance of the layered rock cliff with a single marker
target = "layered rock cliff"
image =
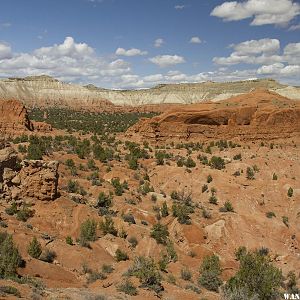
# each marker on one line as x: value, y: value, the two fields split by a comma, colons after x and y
x: 44, y: 91
x: 14, y: 119
x: 260, y: 114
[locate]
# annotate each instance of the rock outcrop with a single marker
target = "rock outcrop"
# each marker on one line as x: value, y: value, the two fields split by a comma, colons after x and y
x: 44, y: 91
x: 36, y: 179
x: 260, y: 114
x: 14, y: 119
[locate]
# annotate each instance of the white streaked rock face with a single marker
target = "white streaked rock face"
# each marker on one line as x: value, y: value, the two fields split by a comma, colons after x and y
x: 47, y: 91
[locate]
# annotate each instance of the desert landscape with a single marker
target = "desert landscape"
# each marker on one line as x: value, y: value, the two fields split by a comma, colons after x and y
x: 150, y: 150
x: 201, y: 201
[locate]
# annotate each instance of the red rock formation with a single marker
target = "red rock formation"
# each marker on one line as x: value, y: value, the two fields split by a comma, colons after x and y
x: 13, y: 117
x: 258, y: 115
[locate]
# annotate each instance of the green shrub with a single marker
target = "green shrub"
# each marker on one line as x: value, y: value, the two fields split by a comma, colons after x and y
x: 129, y: 218
x: 204, y: 188
x: 238, y: 156
x: 217, y: 162
x: 107, y: 269
x: 171, y: 252
x: 104, y: 200
x: 7, y: 289
x: 73, y: 186
x: 209, y: 179
x: 213, y: 200
x: 121, y: 255
x: 186, y: 274
x: 107, y: 226
x: 189, y: 163
x: 34, y: 248
x: 256, y: 276
x: 270, y: 214
x: 87, y: 232
x: 290, y: 192
x: 13, y: 209
x: 69, y: 240
x: 10, y: 259
x: 275, y: 177
x: 160, y: 233
x: 147, y: 272
x: 128, y: 288
x: 227, y: 207
x: 181, y: 212
x: 210, y: 271
x: 133, y: 241
x: 250, y: 173
x: 164, y: 210
x: 285, y: 221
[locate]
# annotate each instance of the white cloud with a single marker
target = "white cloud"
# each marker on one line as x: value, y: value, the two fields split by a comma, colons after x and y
x: 263, y: 12
x: 270, y: 69
x: 294, y: 27
x: 252, y: 52
x: 154, y: 78
x: 158, y: 43
x: 167, y: 60
x: 179, y: 7
x: 5, y: 50
x: 291, y: 53
x: 75, y: 61
x: 130, y: 52
x: 195, y: 40
x: 5, y: 25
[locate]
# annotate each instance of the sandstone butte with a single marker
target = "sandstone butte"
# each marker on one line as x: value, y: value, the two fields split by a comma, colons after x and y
x: 260, y: 114
x: 14, y: 119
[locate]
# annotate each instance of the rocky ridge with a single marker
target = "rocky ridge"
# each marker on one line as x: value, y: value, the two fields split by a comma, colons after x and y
x: 45, y: 91
x: 260, y: 114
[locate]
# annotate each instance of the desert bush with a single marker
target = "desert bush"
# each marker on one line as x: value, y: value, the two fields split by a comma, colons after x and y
x: 210, y: 271
x: 190, y: 163
x: 107, y: 226
x: 270, y: 214
x: 227, y: 207
x: 34, y: 248
x: 104, y: 200
x: 13, y: 209
x: 107, y: 269
x: 186, y: 274
x: 121, y: 255
x: 238, y: 156
x: 147, y: 272
x: 11, y: 290
x: 69, y: 240
x: 181, y: 212
x: 129, y: 218
x: 128, y: 288
x: 87, y: 232
x: 274, y: 177
x: 256, y: 276
x: 10, y: 258
x: 133, y: 241
x: 164, y: 210
x: 72, y: 186
x: 213, y: 200
x: 171, y: 252
x: 209, y: 179
x: 290, y: 192
x: 285, y: 221
x: 250, y: 173
x: 160, y: 233
x: 217, y: 162
x: 48, y: 256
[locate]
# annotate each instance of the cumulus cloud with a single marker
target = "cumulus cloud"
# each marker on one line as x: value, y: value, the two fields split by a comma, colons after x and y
x: 130, y: 52
x: 252, y: 52
x: 263, y: 12
x: 5, y: 50
x: 158, y: 43
x: 167, y: 60
x: 71, y: 60
x: 195, y: 40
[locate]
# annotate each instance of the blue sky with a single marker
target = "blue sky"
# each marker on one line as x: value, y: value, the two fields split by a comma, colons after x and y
x: 141, y: 43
